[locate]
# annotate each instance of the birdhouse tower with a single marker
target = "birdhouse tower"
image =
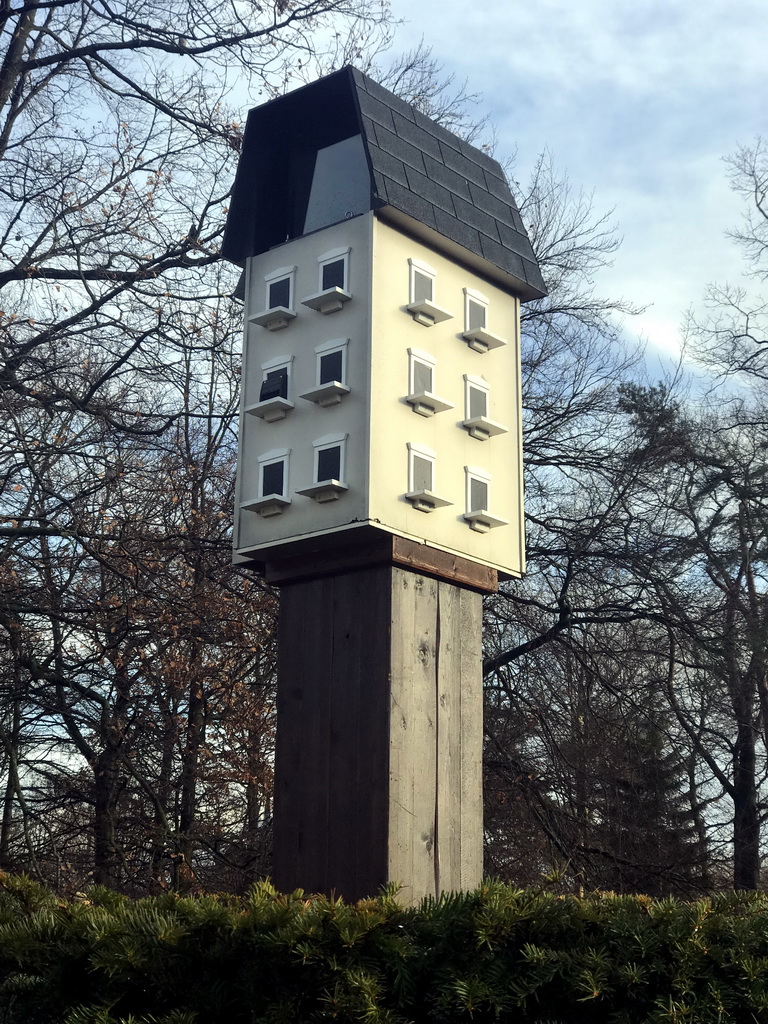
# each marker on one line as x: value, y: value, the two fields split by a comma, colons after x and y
x: 379, y: 470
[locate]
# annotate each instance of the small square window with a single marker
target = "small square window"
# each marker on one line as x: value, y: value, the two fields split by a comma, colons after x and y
x: 421, y: 473
x: 273, y: 402
x: 475, y: 310
x: 333, y: 274
x: 331, y: 374
x: 279, y: 300
x: 275, y: 384
x: 329, y: 457
x: 421, y: 286
x: 421, y: 479
x: 333, y: 282
x: 421, y: 292
x: 476, y: 399
x: 280, y: 288
x: 328, y: 478
x: 421, y: 381
x: 476, y: 331
x: 273, y: 473
x: 421, y: 375
x: 273, y: 478
x: 478, y: 499
x: 331, y: 366
x: 478, y: 494
x: 477, y: 402
x: 329, y: 463
x: 273, y: 497
x: 422, y: 283
x: 280, y: 293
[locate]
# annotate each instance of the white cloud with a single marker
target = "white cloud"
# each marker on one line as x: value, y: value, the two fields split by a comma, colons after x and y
x: 639, y: 101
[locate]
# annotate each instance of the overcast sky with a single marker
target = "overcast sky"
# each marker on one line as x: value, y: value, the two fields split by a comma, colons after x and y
x: 639, y: 101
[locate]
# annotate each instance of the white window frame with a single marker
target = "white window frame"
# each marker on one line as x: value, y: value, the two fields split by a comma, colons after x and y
x: 426, y: 499
x: 328, y: 348
x: 417, y: 355
x: 332, y: 256
x: 471, y: 295
x: 479, y: 384
x: 479, y: 519
x: 421, y: 267
x: 277, y: 275
x: 480, y: 427
x: 428, y: 454
x: 268, y: 459
x: 323, y: 444
x: 482, y: 476
x: 277, y: 363
x: 425, y: 403
x: 424, y: 311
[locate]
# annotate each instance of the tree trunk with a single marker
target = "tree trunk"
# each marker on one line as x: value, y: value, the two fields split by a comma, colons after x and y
x: 746, y: 820
x: 105, y: 851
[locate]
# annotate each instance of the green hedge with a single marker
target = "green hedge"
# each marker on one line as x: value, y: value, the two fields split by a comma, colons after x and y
x: 497, y: 954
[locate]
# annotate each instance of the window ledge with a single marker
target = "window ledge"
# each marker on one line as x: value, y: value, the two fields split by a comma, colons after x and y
x: 269, y: 505
x: 428, y: 314
x: 482, y: 341
x: 482, y: 428
x: 271, y: 409
x: 330, y: 393
x: 427, y: 404
x: 329, y: 301
x: 273, y: 319
x: 482, y: 521
x: 426, y: 501
x: 324, y: 490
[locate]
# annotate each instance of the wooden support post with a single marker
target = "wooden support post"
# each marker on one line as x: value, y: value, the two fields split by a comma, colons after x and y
x: 379, y: 734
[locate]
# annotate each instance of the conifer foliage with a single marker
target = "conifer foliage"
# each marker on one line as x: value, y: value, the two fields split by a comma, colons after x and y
x: 494, y: 954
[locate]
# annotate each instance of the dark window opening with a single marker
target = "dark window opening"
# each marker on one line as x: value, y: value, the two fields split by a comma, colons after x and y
x: 331, y: 367
x: 341, y: 184
x: 422, y: 287
x: 329, y: 463
x: 333, y: 275
x: 273, y: 478
x: 422, y: 377
x: 422, y: 474
x: 478, y: 495
x: 478, y: 403
x: 280, y: 293
x: 275, y: 384
x: 475, y: 315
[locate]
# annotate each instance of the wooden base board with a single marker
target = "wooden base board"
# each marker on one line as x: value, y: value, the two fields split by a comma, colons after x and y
x: 380, y: 548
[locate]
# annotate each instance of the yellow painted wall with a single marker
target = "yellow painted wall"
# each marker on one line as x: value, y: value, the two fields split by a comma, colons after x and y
x: 394, y: 424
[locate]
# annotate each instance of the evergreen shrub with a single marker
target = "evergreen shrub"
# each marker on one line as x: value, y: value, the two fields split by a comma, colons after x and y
x: 497, y: 954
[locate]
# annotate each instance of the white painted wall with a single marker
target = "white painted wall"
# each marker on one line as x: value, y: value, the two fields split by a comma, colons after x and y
x: 375, y: 415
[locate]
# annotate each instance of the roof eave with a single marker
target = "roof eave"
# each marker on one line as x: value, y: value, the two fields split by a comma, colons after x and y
x: 525, y: 291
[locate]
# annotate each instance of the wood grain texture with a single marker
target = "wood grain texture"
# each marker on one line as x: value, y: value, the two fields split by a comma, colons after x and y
x: 449, y: 751
x: 379, y: 741
x: 471, y: 795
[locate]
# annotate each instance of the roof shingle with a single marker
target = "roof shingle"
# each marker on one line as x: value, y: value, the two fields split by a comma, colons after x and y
x: 417, y: 167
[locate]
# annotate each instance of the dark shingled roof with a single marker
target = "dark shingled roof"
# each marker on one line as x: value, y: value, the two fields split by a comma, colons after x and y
x: 417, y: 168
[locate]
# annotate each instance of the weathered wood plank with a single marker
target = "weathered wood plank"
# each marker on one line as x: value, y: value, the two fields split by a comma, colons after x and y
x: 448, y: 764
x: 371, y: 825
x: 422, y: 558
x: 412, y: 742
x: 471, y: 739
x: 379, y: 735
x: 333, y: 554
x: 402, y: 670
